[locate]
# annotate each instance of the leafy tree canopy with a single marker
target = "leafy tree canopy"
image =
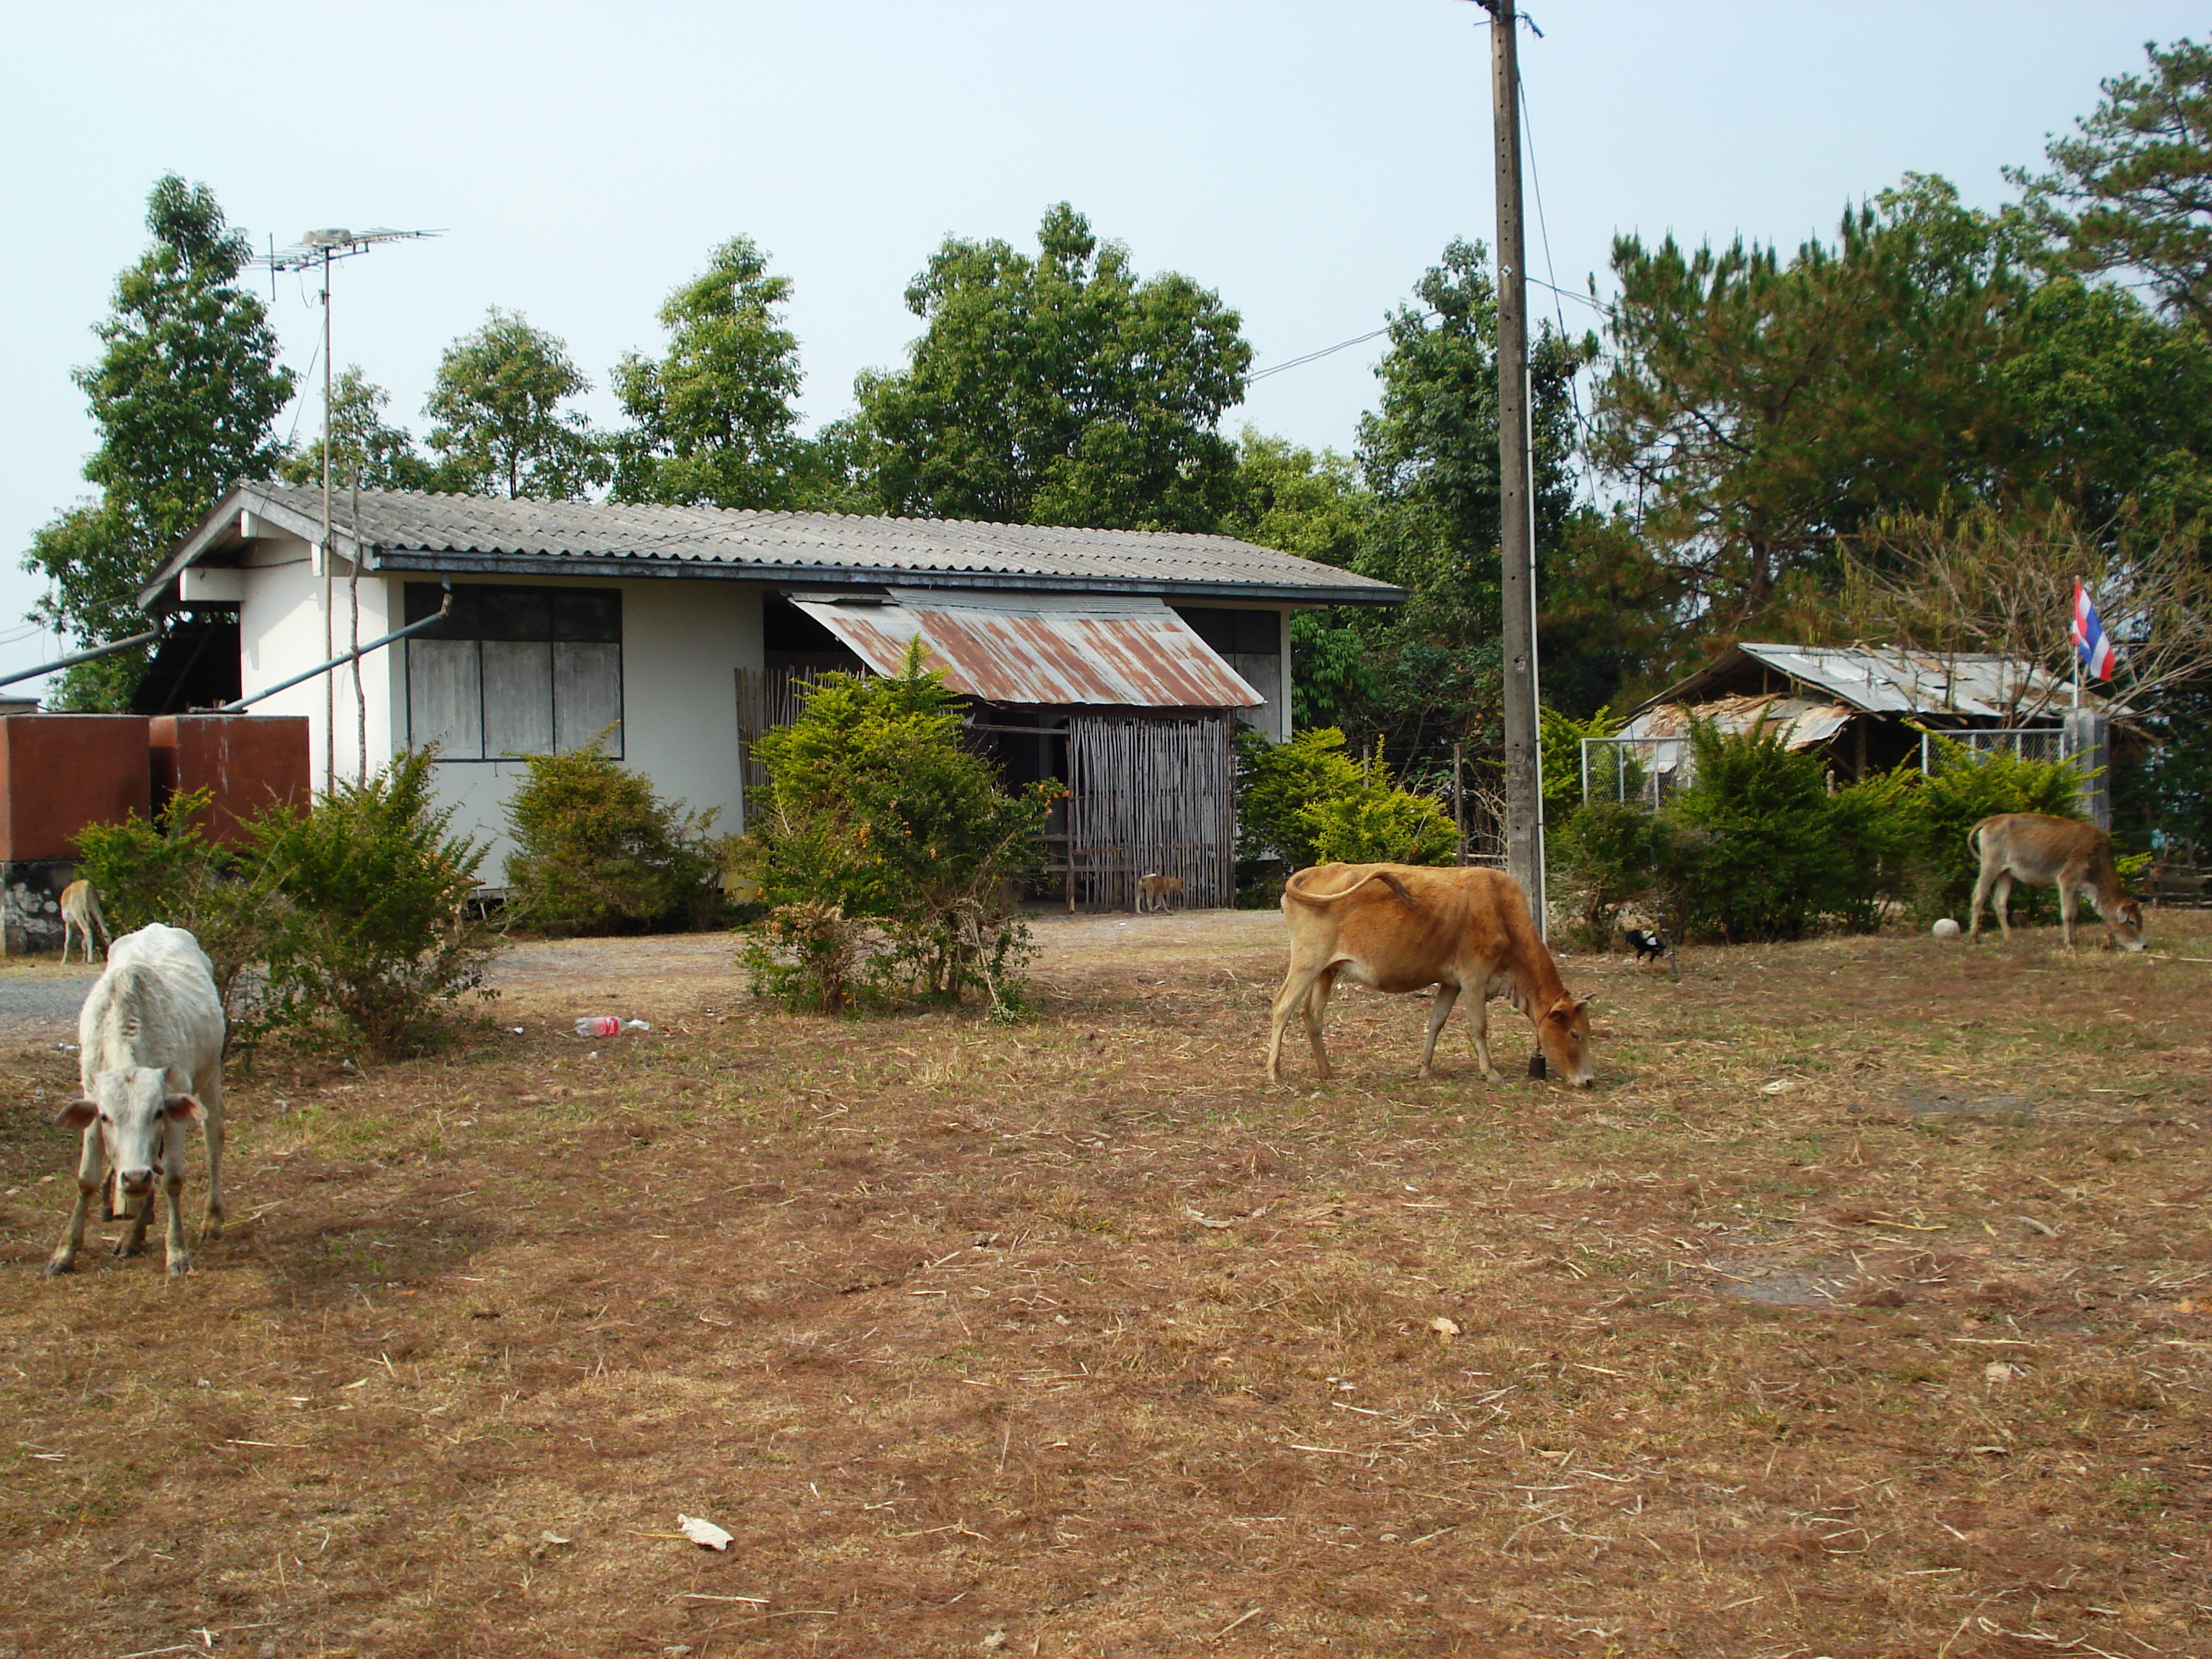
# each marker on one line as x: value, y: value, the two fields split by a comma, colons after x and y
x: 500, y: 426
x: 1422, y: 513
x: 1756, y: 408
x: 185, y: 394
x: 1059, y: 389
x: 366, y: 452
x: 2132, y: 189
x: 714, y: 421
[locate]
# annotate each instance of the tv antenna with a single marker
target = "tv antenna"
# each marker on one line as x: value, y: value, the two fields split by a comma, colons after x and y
x: 319, y: 249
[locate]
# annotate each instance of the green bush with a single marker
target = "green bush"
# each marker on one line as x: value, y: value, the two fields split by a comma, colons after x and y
x: 1608, y: 855
x: 1752, y: 861
x: 1560, y: 744
x: 1758, y: 848
x: 1309, y: 803
x: 1872, y: 833
x: 1378, y: 823
x: 1277, y: 781
x: 888, y: 853
x: 368, y: 943
x: 596, y: 851
x: 165, y: 871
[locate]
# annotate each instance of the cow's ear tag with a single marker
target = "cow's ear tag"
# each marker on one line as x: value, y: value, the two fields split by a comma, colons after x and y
x: 1536, y: 1066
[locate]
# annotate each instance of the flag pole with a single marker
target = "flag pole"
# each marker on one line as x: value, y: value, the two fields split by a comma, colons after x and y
x: 2074, y: 647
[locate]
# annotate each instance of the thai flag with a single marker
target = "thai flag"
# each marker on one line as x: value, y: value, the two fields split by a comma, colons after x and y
x: 2096, y: 653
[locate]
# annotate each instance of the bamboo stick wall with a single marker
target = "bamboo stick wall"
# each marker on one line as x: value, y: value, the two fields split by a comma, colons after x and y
x: 767, y: 698
x: 1147, y: 795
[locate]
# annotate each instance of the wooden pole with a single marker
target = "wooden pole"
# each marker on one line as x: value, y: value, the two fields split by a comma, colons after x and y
x: 1524, y: 793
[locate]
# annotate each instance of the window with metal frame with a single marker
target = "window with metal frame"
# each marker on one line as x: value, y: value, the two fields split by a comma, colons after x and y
x: 514, y: 671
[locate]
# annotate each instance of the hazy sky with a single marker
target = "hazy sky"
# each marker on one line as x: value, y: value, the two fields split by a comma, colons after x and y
x: 1306, y: 161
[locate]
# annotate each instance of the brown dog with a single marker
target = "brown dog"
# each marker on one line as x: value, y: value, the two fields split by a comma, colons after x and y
x: 1155, y: 889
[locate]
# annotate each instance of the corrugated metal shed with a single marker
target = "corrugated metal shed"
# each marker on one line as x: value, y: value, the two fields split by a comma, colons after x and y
x: 1800, y: 721
x: 409, y: 530
x: 1891, y: 680
x: 1023, y: 648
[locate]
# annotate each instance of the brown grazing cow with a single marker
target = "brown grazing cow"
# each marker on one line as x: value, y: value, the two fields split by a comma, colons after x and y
x: 2042, y: 851
x: 1401, y: 927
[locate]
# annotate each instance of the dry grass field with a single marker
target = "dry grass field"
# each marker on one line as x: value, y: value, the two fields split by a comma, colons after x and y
x: 1864, y: 1309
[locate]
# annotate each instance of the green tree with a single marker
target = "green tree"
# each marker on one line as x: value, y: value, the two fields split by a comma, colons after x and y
x: 500, y: 426
x: 1312, y: 503
x: 2132, y: 189
x: 2109, y: 406
x: 1757, y: 409
x: 185, y: 394
x: 367, y: 452
x: 1059, y: 389
x: 1427, y: 674
x: 714, y: 422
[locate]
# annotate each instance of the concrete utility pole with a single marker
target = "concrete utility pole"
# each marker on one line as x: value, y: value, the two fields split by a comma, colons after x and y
x: 1524, y: 780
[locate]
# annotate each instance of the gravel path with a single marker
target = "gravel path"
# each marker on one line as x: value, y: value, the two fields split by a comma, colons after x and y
x: 609, y: 976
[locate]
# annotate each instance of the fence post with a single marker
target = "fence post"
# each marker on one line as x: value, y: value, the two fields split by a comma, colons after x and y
x: 1459, y: 798
x: 2087, y: 741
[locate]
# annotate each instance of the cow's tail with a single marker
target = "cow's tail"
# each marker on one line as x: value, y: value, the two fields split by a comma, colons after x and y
x: 1974, y: 842
x: 1319, y: 900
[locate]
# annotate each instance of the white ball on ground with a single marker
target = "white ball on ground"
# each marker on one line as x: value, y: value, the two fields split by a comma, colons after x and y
x: 1947, y: 928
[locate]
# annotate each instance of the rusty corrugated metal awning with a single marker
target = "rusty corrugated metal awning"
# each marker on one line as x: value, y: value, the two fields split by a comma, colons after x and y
x: 1023, y: 648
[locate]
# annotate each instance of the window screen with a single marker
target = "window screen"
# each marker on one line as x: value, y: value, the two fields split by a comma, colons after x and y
x: 514, y: 671
x: 1243, y: 632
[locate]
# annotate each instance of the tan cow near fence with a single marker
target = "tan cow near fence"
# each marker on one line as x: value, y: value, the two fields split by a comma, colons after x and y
x: 79, y: 915
x: 2075, y: 857
x: 1400, y: 927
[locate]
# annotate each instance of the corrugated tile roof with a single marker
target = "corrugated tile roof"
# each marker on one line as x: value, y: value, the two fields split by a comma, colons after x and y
x: 405, y: 529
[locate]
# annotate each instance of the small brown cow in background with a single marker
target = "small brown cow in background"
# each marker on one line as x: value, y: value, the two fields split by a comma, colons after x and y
x: 80, y: 914
x: 2075, y: 857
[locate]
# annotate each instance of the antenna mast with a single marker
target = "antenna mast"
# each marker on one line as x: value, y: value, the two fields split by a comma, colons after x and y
x: 316, y: 249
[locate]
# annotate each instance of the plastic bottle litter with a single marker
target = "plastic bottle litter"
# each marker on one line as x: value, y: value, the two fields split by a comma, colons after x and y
x: 600, y: 1025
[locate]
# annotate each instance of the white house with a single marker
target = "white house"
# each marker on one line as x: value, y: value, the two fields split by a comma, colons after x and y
x: 677, y: 631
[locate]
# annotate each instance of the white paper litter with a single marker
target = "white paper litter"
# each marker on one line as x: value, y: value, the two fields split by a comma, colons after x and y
x: 704, y: 1532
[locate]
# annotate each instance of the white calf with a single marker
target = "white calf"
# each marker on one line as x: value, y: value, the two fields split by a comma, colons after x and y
x: 150, y: 1060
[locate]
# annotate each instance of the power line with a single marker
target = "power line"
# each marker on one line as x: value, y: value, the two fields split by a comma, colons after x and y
x: 1315, y: 356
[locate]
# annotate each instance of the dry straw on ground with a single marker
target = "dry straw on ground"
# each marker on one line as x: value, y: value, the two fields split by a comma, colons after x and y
x: 1864, y: 1309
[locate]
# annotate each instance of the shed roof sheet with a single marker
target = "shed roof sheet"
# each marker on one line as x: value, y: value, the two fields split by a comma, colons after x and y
x: 1800, y: 721
x: 1025, y: 648
x: 1893, y: 680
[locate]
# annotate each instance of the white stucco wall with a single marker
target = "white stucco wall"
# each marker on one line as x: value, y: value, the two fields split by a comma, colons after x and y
x: 682, y: 642
x: 281, y: 634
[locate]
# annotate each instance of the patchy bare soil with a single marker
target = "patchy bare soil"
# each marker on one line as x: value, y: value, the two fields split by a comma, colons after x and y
x: 1864, y: 1309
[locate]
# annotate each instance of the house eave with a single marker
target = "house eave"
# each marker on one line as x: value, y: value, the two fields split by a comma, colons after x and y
x: 538, y: 566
